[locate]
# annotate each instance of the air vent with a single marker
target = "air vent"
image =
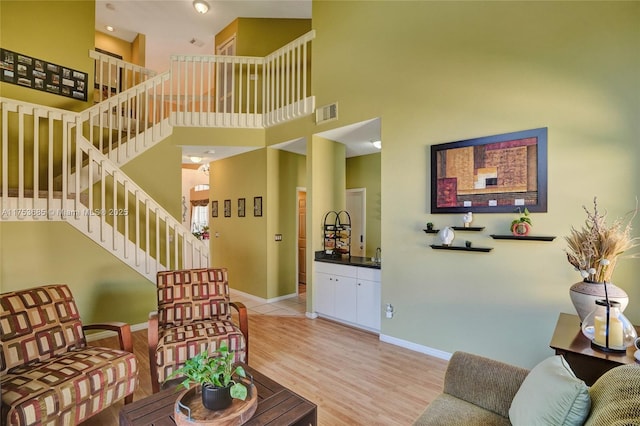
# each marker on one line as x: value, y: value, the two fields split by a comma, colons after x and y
x: 327, y: 113
x: 196, y: 42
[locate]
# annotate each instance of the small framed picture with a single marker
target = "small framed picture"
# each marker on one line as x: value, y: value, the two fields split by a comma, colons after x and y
x: 257, y: 206
x: 227, y: 208
x: 241, y: 207
x: 214, y: 208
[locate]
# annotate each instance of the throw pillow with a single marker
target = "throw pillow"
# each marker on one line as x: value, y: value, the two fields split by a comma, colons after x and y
x: 551, y: 395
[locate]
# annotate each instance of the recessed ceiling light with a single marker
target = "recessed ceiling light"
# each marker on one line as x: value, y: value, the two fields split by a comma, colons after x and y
x: 201, y: 6
x: 109, y: 28
x: 195, y: 159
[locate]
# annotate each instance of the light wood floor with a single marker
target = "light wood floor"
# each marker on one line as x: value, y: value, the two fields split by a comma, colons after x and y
x: 351, y: 376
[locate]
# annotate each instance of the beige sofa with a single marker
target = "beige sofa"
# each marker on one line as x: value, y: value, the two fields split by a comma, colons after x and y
x: 480, y: 391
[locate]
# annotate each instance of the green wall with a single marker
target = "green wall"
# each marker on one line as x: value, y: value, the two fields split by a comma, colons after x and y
x: 363, y: 171
x: 60, y: 32
x: 262, y: 36
x: 41, y: 253
x: 458, y: 70
x: 239, y: 243
x: 257, y: 264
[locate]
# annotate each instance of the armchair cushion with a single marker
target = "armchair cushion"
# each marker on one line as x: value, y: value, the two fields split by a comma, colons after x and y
x: 48, y: 373
x: 38, y: 324
x: 194, y: 314
x: 192, y: 295
x: 70, y: 387
x: 179, y: 343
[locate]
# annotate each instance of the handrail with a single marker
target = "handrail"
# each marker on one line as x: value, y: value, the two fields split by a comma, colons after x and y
x: 113, y: 76
x: 125, y: 124
x: 86, y: 189
x: 62, y: 165
x: 242, y: 91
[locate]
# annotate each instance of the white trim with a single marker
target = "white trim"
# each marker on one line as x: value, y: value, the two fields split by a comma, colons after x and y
x: 260, y: 299
x: 311, y: 315
x: 415, y: 347
x: 106, y: 334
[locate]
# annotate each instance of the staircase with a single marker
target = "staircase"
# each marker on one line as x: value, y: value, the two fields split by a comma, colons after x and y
x: 58, y: 165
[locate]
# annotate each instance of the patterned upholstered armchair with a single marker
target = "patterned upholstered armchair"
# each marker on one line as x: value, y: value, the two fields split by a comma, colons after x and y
x: 49, y: 375
x: 194, y: 314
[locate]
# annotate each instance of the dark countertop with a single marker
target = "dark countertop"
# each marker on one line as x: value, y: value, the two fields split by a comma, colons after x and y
x: 364, y: 262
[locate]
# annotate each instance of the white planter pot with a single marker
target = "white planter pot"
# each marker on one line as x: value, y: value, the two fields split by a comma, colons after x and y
x: 584, y: 295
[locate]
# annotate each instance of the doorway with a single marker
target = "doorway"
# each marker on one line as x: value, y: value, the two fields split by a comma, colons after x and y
x: 356, y: 205
x: 224, y: 86
x: 302, y: 241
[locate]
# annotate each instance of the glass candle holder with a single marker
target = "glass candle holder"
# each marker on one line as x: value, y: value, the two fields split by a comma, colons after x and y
x: 607, y: 328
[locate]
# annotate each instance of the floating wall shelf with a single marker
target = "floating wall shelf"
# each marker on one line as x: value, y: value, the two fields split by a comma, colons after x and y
x: 461, y: 248
x: 524, y: 237
x: 431, y: 231
x: 469, y: 228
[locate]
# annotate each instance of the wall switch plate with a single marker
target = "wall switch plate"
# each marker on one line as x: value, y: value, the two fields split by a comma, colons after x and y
x: 278, y: 237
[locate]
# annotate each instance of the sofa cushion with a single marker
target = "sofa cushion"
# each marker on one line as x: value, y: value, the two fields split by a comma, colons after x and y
x: 615, y: 397
x: 551, y: 394
x: 68, y: 388
x: 447, y: 410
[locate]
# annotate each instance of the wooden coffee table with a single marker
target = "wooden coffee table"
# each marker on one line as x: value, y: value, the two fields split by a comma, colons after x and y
x: 277, y: 405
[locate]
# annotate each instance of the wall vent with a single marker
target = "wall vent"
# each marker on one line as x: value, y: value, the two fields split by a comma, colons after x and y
x: 327, y: 113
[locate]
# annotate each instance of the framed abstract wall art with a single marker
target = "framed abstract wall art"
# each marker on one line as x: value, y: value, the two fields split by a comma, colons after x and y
x: 492, y: 174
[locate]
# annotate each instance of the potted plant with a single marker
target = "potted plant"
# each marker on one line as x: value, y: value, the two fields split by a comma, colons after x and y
x: 205, y: 232
x: 521, y: 226
x: 429, y: 226
x: 215, y: 373
x: 593, y: 250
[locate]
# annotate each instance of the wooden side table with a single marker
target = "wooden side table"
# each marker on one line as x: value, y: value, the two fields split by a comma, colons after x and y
x: 586, y: 362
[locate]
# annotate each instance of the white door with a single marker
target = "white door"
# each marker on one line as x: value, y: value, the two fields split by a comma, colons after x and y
x: 225, y: 76
x: 356, y: 206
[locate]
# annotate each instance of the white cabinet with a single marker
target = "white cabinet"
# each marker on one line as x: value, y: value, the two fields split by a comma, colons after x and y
x: 349, y: 294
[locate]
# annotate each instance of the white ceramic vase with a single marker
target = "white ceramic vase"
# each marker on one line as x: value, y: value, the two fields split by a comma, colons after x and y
x: 446, y: 235
x: 584, y: 295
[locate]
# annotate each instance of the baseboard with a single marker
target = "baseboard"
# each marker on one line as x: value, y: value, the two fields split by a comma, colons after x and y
x: 311, y: 315
x: 415, y: 347
x: 261, y: 299
x: 106, y: 334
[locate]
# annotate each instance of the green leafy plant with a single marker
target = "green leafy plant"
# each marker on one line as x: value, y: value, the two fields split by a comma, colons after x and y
x: 217, y: 370
x: 524, y: 218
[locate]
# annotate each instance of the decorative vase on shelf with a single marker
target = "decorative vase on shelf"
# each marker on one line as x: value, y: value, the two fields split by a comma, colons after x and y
x: 446, y: 235
x: 585, y: 293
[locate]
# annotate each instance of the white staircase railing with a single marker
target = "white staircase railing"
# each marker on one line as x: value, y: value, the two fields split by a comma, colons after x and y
x: 100, y: 200
x: 124, y: 125
x: 242, y: 91
x: 64, y: 166
x: 202, y: 91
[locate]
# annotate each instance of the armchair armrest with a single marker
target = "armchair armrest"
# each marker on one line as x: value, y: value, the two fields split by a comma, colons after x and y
x: 484, y: 382
x: 243, y: 324
x: 121, y: 328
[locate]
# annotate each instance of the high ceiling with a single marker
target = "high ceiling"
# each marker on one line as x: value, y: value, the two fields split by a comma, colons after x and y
x: 174, y: 27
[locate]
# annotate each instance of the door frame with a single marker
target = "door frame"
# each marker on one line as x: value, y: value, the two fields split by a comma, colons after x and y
x: 298, y: 190
x: 362, y: 219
